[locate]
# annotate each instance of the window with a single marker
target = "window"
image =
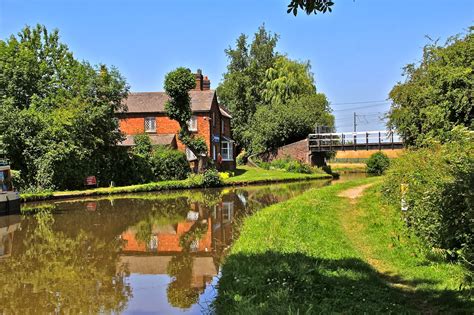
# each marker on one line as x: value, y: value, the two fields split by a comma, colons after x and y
x: 214, y: 152
x: 222, y: 126
x: 190, y: 155
x: 213, y: 119
x: 153, y: 244
x: 226, y: 151
x: 192, y: 124
x: 150, y: 124
x: 227, y: 211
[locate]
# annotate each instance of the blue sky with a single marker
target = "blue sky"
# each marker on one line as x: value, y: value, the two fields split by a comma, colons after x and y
x: 357, y: 52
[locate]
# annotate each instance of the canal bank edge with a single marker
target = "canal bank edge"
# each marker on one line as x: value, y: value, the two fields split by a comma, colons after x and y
x: 308, y: 262
x: 256, y: 177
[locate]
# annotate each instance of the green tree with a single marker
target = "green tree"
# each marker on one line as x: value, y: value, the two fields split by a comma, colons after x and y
x: 178, y: 83
x: 310, y: 6
x: 58, y: 113
x: 273, y: 99
x: 279, y: 124
x: 437, y: 94
x: 287, y: 79
x: 241, y: 89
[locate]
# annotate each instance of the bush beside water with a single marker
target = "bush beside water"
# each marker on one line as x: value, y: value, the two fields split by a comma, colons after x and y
x: 288, y: 164
x: 439, y: 194
x: 169, y: 164
x: 211, y: 178
x: 378, y: 163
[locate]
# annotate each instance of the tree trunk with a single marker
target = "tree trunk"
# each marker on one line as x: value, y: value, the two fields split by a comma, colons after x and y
x: 201, y: 164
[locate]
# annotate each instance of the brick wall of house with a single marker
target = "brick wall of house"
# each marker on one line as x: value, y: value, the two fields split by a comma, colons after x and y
x: 164, y: 125
x: 208, y: 123
x: 132, y: 125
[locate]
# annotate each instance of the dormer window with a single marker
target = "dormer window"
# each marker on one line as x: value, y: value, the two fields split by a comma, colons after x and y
x: 150, y: 124
x: 192, y: 124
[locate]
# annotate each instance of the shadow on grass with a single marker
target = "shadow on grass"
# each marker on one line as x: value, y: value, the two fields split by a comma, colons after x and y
x: 274, y: 283
x: 239, y: 171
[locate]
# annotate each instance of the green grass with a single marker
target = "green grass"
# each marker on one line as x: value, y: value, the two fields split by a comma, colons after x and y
x: 297, y: 257
x: 250, y: 175
x: 243, y: 175
x: 401, y: 253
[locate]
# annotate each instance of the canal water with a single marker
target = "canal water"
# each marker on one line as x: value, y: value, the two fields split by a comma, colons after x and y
x: 149, y: 253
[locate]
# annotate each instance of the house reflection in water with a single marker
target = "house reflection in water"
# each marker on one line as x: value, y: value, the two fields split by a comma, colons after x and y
x: 188, y: 251
x: 8, y: 225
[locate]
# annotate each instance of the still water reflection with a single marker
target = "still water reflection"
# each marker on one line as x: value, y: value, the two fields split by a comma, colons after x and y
x: 147, y: 253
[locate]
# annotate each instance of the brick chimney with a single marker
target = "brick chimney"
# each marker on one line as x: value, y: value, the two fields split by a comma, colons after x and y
x: 199, y: 80
x: 202, y: 83
x: 206, y: 84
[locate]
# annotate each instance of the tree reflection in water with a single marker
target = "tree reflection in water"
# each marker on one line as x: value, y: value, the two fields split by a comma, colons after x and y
x: 73, y: 262
x: 62, y: 274
x: 180, y: 291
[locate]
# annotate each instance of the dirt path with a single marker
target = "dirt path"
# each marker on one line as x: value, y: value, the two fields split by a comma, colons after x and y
x: 355, y: 233
x: 354, y: 193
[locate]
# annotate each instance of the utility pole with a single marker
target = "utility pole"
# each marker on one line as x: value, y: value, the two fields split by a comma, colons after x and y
x: 355, y: 122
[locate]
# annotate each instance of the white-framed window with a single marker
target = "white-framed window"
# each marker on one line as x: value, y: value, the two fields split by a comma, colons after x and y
x: 214, y: 152
x: 222, y: 126
x: 190, y: 155
x: 153, y: 244
x: 192, y: 124
x: 227, y: 211
x: 226, y: 151
x: 150, y: 124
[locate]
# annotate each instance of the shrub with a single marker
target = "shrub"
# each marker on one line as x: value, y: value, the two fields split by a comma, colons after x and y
x: 143, y: 144
x: 378, y: 163
x: 17, y: 180
x: 439, y: 194
x: 298, y: 167
x: 169, y: 164
x: 139, y: 169
x: 211, y: 178
x: 195, y: 180
x: 226, y: 175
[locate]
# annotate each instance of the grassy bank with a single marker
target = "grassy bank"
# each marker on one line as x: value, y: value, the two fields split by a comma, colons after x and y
x: 244, y: 175
x: 300, y: 257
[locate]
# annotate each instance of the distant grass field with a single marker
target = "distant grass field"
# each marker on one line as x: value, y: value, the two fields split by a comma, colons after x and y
x: 321, y: 253
x: 349, y: 167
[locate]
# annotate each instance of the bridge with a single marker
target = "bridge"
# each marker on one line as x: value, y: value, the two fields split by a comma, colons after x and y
x: 345, y: 141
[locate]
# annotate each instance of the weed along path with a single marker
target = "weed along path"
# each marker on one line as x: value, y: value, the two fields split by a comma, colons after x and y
x: 334, y: 249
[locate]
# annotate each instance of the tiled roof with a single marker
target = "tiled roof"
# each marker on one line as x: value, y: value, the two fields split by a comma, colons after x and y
x: 154, y: 102
x: 156, y: 139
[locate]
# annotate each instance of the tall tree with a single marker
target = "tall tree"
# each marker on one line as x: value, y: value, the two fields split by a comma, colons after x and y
x: 58, y: 114
x: 287, y: 79
x: 243, y: 82
x: 437, y: 94
x: 273, y: 99
x: 178, y: 83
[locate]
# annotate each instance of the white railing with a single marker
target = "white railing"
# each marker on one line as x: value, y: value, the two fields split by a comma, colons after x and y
x: 342, y: 140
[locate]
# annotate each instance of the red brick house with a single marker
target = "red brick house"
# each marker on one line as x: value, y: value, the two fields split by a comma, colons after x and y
x: 210, y: 120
